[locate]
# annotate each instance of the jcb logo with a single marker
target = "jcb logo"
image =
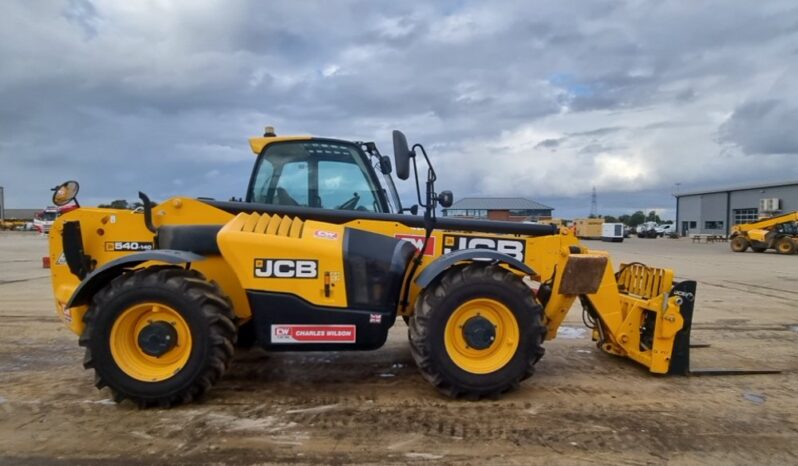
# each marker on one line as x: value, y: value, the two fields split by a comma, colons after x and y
x: 286, y: 268
x: 511, y: 247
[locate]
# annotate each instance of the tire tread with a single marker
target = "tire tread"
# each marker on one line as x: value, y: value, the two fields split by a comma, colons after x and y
x: 206, y: 295
x: 430, y: 299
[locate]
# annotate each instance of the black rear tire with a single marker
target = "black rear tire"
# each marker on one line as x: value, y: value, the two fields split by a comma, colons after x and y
x: 436, y: 305
x: 785, y: 245
x: 202, y: 306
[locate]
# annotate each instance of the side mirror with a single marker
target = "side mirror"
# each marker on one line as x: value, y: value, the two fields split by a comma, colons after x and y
x: 385, y: 165
x: 402, y: 154
x: 413, y: 210
x: 65, y: 193
x: 446, y: 199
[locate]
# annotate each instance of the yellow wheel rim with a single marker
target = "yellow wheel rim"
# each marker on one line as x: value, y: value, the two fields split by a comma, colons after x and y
x: 503, y: 346
x: 129, y: 355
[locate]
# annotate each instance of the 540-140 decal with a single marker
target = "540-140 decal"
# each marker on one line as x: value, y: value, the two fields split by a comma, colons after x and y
x: 126, y: 246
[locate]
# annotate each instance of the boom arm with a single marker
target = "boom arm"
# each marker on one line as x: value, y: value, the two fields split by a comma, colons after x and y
x: 767, y: 223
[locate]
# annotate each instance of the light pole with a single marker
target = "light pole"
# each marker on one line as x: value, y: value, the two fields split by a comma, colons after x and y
x: 676, y: 222
x: 2, y: 206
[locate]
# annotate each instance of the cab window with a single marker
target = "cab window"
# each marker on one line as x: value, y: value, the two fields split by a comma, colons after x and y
x: 342, y: 186
x: 316, y: 173
x: 292, y: 186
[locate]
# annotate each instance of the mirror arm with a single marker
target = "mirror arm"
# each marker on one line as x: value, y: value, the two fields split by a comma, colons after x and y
x: 429, y: 219
x: 418, y: 185
x: 431, y: 202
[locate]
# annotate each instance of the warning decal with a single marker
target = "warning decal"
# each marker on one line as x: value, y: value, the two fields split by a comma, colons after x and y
x: 418, y: 242
x: 313, y: 334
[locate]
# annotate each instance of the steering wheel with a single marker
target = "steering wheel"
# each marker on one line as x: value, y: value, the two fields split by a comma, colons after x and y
x: 351, y: 203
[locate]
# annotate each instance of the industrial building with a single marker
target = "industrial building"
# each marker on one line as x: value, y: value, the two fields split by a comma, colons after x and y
x: 715, y: 211
x: 514, y: 209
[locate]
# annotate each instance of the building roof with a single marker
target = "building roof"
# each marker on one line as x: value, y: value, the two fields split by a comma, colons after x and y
x: 497, y: 203
x: 724, y: 189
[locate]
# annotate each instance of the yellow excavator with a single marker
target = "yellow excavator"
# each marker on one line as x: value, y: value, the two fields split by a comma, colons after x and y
x: 779, y: 233
x: 322, y: 255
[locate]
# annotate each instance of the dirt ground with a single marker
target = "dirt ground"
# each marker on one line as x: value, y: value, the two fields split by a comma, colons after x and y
x: 581, y: 406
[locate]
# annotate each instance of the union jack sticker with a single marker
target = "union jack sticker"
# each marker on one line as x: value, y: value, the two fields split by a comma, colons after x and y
x: 375, y: 318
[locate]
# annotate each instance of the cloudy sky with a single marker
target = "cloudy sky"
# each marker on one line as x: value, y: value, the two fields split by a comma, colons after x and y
x: 537, y: 99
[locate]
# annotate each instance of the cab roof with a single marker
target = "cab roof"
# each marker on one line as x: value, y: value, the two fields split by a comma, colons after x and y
x: 259, y: 143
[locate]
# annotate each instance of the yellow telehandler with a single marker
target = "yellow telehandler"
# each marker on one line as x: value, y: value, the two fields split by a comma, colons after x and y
x: 779, y: 233
x: 322, y: 255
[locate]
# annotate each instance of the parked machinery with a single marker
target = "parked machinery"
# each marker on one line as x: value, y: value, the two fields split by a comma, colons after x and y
x: 647, y: 230
x: 779, y: 233
x: 322, y: 257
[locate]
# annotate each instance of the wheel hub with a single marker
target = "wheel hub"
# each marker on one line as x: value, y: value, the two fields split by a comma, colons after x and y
x: 157, y: 338
x: 479, y: 333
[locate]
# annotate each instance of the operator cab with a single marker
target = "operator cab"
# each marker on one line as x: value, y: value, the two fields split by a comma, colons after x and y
x: 788, y: 228
x: 321, y: 173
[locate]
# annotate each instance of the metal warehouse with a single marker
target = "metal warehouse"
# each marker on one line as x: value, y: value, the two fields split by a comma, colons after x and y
x: 714, y: 211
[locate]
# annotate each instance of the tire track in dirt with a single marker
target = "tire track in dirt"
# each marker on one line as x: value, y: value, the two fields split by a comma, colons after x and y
x: 754, y: 289
x: 22, y: 280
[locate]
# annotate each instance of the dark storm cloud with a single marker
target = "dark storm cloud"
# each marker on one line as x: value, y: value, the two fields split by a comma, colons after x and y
x: 512, y: 97
x: 548, y: 144
x: 764, y: 127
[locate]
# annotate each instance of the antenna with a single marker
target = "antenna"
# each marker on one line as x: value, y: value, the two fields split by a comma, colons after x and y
x: 594, y: 204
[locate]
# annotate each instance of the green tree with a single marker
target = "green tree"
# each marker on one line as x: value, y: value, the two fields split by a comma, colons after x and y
x: 637, y: 218
x: 653, y: 217
x: 117, y: 204
x: 610, y: 219
x: 624, y: 219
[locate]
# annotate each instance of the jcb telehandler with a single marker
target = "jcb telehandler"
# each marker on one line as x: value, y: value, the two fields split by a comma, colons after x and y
x: 322, y: 256
x: 779, y: 233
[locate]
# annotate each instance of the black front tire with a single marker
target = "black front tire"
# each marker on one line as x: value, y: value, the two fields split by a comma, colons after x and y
x: 201, y: 305
x: 739, y: 244
x: 437, y: 304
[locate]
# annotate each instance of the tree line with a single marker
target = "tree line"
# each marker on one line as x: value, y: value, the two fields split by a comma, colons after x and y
x: 122, y: 204
x: 635, y: 219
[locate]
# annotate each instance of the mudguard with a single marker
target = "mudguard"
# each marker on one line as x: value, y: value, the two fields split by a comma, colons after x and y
x: 444, y: 262
x: 101, y: 276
